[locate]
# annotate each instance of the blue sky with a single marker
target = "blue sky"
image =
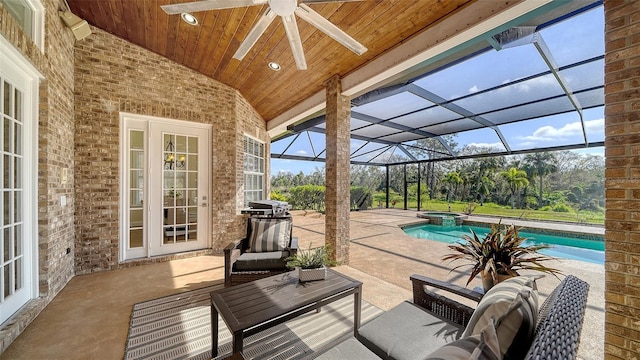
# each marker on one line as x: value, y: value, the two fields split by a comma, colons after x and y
x: 575, y: 39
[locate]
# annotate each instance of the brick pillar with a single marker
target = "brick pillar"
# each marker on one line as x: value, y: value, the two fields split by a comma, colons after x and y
x: 622, y: 179
x: 338, y: 116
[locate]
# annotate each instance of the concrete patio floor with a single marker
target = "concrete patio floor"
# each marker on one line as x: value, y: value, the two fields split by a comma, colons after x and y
x: 89, y: 319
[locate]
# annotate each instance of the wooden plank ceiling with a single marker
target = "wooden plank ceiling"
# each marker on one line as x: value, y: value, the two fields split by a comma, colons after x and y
x: 208, y: 47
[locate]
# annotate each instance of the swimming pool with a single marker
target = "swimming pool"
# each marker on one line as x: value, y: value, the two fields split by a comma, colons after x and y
x: 587, y: 249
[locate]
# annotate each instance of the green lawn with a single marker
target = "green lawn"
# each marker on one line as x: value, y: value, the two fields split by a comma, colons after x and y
x: 589, y: 217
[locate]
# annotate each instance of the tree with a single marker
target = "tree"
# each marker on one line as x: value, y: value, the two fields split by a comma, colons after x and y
x: 516, y: 179
x: 540, y: 164
x: 451, y: 179
x: 484, y: 188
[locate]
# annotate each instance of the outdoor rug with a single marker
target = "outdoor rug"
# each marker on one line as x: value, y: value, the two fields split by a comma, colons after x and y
x: 179, y: 327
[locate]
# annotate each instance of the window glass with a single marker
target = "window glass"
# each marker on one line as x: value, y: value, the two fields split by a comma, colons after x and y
x: 253, y: 170
x: 29, y: 14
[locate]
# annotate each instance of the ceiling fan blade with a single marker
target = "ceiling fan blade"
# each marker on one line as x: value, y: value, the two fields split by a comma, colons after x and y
x: 254, y: 34
x: 205, y: 5
x: 291, y: 28
x: 327, y: 27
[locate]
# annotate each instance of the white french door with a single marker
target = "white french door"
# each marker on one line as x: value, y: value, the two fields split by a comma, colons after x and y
x: 166, y: 201
x: 18, y: 146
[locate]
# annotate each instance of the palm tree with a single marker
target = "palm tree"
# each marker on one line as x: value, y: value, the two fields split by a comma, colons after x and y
x: 451, y: 179
x: 516, y: 179
x: 485, y: 167
x: 540, y: 164
x: 484, y: 188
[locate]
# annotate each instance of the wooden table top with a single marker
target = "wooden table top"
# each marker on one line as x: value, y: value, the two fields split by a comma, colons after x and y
x: 253, y: 303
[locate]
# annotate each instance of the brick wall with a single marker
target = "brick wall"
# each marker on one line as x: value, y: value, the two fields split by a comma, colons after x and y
x: 113, y: 76
x: 55, y: 152
x: 622, y: 151
x: 84, y: 88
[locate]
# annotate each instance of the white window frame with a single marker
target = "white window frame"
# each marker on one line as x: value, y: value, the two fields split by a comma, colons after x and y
x: 247, y: 187
x: 37, y: 25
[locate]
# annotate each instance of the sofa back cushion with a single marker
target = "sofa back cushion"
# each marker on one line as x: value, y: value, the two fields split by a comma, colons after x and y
x: 269, y: 234
x: 513, y: 305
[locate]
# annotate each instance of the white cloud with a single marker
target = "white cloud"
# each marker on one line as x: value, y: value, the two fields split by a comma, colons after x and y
x: 302, y: 152
x: 551, y: 133
x: 535, y: 84
x: 473, y: 89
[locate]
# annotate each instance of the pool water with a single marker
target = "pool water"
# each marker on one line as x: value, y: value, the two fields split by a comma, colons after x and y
x: 562, y: 247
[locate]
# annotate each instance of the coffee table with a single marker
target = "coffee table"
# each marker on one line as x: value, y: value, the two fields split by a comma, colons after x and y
x: 258, y: 305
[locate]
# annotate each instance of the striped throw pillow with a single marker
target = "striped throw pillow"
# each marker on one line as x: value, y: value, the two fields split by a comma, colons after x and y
x: 269, y: 235
x: 514, y: 302
x: 484, y: 346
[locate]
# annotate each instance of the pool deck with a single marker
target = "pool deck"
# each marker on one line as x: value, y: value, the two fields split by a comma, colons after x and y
x: 383, y: 257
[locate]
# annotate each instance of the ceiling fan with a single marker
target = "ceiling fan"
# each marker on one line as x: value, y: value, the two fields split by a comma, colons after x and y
x: 286, y: 9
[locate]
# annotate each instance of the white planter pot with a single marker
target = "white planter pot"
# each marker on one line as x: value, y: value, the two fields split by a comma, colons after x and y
x: 312, y: 274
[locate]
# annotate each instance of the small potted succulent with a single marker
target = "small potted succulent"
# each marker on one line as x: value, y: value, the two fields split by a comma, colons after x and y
x: 499, y: 255
x: 311, y: 263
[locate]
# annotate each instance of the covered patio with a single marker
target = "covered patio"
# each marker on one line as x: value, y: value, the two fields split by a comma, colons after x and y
x: 90, y: 317
x: 76, y: 108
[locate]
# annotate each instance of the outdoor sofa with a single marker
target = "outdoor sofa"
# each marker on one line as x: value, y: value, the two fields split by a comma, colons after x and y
x: 507, y: 323
x: 262, y: 252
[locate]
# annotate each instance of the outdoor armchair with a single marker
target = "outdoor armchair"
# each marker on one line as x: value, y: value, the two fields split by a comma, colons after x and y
x: 262, y: 252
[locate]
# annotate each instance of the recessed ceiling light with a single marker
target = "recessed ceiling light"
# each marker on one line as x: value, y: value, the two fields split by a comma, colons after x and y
x: 189, y: 19
x: 274, y: 66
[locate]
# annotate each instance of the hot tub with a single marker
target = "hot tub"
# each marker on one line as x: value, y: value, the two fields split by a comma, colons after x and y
x: 441, y: 217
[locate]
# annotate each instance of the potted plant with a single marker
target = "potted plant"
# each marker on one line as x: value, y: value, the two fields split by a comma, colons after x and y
x: 499, y: 255
x: 311, y: 263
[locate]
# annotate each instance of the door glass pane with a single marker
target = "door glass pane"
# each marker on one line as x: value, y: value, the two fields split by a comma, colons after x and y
x: 193, y: 145
x: 135, y: 238
x: 6, y: 134
x: 6, y: 98
x: 6, y: 203
x: 17, y: 105
x: 17, y: 278
x: 17, y: 206
x: 17, y: 174
x: 17, y: 138
x: 17, y: 235
x: 137, y: 140
x: 192, y: 162
x: 180, y: 187
x: 6, y: 165
x: 136, y: 189
x: 192, y: 198
x: 6, y: 246
x: 6, y: 284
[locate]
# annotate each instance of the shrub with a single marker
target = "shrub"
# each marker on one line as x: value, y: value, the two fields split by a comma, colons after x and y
x: 562, y: 207
x: 277, y: 195
x: 307, y: 197
x: 361, y: 198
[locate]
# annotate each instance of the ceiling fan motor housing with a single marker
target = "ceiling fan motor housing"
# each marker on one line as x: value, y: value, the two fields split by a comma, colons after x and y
x: 283, y: 7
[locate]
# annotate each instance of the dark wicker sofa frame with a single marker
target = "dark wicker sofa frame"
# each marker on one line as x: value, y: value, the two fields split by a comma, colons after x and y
x: 560, y: 317
x: 233, y: 251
